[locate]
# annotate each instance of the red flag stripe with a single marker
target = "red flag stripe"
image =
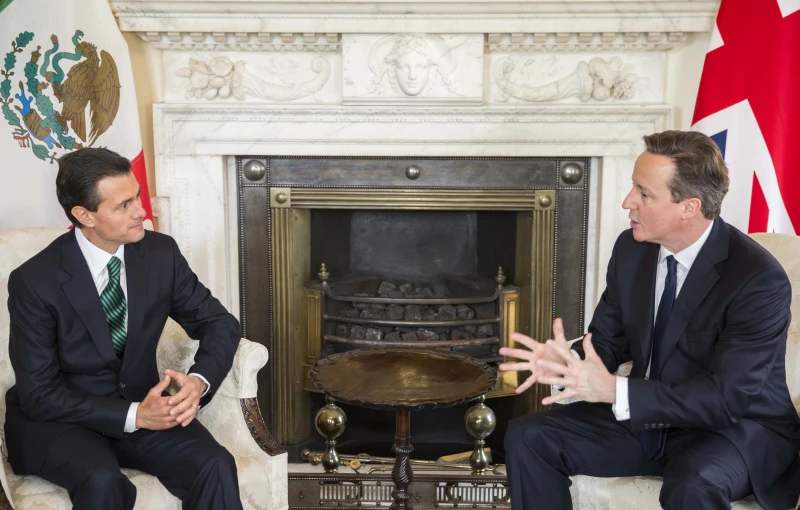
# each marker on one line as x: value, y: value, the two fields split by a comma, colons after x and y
x: 140, y: 172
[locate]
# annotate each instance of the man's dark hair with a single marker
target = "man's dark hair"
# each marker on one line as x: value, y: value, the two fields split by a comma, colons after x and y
x: 700, y: 171
x: 78, y: 175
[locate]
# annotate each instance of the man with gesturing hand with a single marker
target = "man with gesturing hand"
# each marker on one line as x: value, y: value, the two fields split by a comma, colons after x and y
x: 86, y: 316
x: 703, y: 313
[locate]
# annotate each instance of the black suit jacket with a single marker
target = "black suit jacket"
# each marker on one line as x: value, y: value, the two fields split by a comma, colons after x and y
x: 67, y: 373
x: 722, y: 358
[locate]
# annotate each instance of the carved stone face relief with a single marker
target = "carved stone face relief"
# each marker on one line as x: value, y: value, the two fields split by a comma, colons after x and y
x: 413, y: 63
x: 412, y: 69
x: 412, y: 72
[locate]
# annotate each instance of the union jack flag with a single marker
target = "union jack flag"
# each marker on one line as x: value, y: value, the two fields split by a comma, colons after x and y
x: 749, y: 103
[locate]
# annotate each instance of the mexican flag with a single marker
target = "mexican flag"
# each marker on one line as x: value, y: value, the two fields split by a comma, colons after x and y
x: 66, y: 84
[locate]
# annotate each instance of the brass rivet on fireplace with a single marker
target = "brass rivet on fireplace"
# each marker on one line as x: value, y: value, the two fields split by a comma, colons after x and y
x: 255, y: 170
x: 500, y: 279
x: 413, y: 172
x: 571, y: 172
x: 545, y: 201
x: 281, y: 198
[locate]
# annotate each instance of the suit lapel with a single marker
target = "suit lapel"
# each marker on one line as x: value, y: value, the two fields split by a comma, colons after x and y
x: 700, y: 280
x: 645, y: 308
x: 82, y: 295
x: 137, y: 271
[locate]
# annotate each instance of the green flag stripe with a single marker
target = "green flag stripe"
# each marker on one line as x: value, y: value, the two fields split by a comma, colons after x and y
x: 4, y: 4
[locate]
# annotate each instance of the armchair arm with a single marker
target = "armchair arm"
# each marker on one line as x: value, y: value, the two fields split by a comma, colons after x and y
x: 176, y: 351
x: 234, y: 419
x: 5, y: 493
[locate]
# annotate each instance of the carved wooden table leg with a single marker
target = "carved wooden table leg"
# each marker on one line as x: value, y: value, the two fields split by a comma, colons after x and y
x: 401, y: 473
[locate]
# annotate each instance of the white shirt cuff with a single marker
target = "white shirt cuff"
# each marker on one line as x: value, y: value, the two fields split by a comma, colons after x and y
x: 130, y: 420
x: 208, y: 386
x: 621, y: 409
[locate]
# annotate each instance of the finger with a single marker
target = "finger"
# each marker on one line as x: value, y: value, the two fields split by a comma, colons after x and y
x: 186, y: 415
x: 520, y: 354
x: 552, y: 366
x: 519, y: 337
x: 160, y: 387
x: 182, y: 395
x: 558, y: 330
x: 179, y: 377
x: 553, y: 380
x: 514, y: 367
x: 527, y: 341
x: 530, y: 381
x: 562, y: 350
x: 564, y: 395
x: 588, y: 348
x: 187, y: 403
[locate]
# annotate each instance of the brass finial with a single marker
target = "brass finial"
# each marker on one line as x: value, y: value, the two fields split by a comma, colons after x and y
x: 330, y: 423
x: 323, y: 275
x: 500, y: 279
x: 480, y: 421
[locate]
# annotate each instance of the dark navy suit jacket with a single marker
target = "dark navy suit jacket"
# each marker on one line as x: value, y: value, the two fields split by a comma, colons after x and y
x: 722, y: 360
x: 67, y: 373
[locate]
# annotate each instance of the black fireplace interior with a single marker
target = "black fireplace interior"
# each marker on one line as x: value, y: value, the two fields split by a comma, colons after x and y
x: 438, y: 252
x: 420, y: 247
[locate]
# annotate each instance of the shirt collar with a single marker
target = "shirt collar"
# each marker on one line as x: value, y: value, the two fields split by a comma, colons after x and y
x: 686, y: 256
x: 95, y: 257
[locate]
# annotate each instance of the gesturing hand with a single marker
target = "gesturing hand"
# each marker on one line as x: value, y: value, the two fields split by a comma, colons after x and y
x: 587, y: 379
x: 533, y: 354
x: 187, y: 400
x: 153, y: 411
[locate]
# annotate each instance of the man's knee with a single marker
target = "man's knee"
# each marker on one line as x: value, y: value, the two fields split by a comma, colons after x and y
x: 102, y: 479
x: 220, y: 459
x: 692, y: 486
x: 529, y: 433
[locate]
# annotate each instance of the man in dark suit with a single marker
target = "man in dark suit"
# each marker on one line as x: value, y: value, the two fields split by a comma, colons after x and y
x: 86, y: 316
x: 703, y: 313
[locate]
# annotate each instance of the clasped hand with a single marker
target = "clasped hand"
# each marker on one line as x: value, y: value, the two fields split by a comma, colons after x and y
x: 157, y: 412
x: 553, y: 363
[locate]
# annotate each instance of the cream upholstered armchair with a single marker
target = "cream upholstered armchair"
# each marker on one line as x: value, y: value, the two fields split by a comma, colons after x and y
x: 232, y: 417
x: 641, y: 492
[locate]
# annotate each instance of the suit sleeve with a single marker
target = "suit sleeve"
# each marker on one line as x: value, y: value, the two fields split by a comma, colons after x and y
x: 753, y: 338
x: 205, y: 319
x: 608, y: 335
x: 33, y: 351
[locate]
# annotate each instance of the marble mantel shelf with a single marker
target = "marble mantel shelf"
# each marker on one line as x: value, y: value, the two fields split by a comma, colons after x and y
x: 307, y: 25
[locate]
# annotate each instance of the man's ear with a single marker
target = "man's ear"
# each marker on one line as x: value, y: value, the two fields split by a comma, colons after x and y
x: 83, y: 216
x: 691, y: 208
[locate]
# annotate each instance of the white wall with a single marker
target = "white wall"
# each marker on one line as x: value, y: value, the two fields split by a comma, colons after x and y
x: 684, y: 66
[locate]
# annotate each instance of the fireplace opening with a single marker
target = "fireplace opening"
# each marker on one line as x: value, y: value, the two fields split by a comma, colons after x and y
x: 434, y: 253
x: 424, y: 279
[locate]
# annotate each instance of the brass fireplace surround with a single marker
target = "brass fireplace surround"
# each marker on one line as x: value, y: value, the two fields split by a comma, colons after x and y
x: 276, y: 199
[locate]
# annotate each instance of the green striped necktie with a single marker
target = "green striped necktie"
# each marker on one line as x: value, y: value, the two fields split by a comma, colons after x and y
x: 113, y: 300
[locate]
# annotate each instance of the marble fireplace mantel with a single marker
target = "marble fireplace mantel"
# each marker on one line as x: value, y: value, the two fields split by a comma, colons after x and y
x: 536, y: 78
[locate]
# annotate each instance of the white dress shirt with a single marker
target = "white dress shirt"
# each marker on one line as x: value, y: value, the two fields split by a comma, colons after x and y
x: 97, y: 260
x: 685, y: 259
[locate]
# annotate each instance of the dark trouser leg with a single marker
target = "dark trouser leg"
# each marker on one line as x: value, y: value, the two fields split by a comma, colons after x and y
x: 702, y: 470
x: 83, y: 462
x: 188, y: 461
x: 544, y: 449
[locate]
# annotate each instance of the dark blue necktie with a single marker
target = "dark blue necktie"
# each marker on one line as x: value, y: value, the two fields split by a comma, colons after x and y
x: 654, y: 441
